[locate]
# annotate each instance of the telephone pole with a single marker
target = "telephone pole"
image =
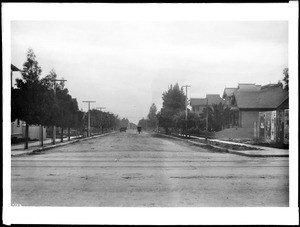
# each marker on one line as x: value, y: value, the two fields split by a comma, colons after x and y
x: 89, y: 119
x: 186, y: 104
x: 206, y: 120
x: 54, y: 128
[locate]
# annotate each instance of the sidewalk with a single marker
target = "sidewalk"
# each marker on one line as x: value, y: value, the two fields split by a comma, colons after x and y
x: 260, y: 152
x: 35, y: 146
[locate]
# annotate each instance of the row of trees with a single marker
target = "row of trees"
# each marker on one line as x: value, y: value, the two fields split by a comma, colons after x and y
x: 103, y: 121
x: 44, y: 101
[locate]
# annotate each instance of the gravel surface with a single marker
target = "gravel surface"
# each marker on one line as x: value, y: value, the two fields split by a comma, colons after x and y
x: 134, y: 170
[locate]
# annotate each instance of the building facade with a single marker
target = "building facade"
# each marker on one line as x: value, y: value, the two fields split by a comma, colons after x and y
x: 248, y: 101
x: 199, y: 104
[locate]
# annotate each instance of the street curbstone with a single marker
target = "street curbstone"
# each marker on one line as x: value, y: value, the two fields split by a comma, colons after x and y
x: 215, y: 148
x: 257, y: 155
x: 38, y: 150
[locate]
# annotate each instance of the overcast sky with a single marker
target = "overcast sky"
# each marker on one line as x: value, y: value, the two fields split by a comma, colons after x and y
x: 126, y: 66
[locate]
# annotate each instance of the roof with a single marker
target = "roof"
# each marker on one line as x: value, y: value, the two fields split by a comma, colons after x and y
x: 242, y: 87
x: 268, y: 97
x: 249, y: 87
x: 210, y: 99
x: 14, y: 68
x: 284, y: 104
x: 214, y: 99
x: 272, y: 97
x: 197, y: 102
x: 228, y: 92
x: 270, y: 85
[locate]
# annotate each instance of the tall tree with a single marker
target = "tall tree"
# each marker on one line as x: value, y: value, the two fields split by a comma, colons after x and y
x: 60, y: 95
x: 73, y: 112
x: 173, y: 103
x: 174, y: 99
x: 79, y: 119
x: 31, y: 69
x: 28, y: 99
x: 97, y: 119
x: 65, y: 104
x: 152, y: 118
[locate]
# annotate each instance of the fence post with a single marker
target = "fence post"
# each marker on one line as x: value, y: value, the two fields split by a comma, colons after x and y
x: 42, y: 135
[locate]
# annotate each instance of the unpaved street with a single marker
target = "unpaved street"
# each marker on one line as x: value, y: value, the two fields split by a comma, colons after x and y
x: 131, y: 169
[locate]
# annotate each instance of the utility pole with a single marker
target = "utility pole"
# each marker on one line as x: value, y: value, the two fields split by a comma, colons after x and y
x: 89, y: 119
x: 206, y: 120
x: 101, y: 108
x: 54, y: 128
x: 186, y: 104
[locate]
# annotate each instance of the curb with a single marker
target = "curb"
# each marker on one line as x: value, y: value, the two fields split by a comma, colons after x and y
x: 219, y: 149
x: 257, y: 155
x: 224, y: 150
x: 38, y: 150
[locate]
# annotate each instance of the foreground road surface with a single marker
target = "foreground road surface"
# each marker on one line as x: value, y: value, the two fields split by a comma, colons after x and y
x: 131, y: 169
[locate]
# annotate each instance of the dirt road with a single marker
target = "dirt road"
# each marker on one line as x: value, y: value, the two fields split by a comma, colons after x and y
x: 130, y: 169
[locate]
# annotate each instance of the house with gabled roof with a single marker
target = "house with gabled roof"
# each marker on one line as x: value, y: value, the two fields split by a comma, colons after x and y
x: 228, y: 94
x: 198, y: 104
x: 247, y: 101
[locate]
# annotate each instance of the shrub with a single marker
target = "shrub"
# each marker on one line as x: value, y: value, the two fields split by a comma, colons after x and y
x: 202, y: 133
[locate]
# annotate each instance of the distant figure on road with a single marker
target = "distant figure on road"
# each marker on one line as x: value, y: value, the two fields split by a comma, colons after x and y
x: 139, y: 128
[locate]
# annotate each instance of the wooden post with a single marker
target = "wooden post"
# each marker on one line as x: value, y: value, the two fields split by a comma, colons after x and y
x: 41, y: 135
x: 53, y: 134
x: 61, y: 134
x: 89, y: 123
x: 69, y: 137
x: 89, y: 119
x: 26, y: 135
x: 186, y: 112
x: 206, y: 120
